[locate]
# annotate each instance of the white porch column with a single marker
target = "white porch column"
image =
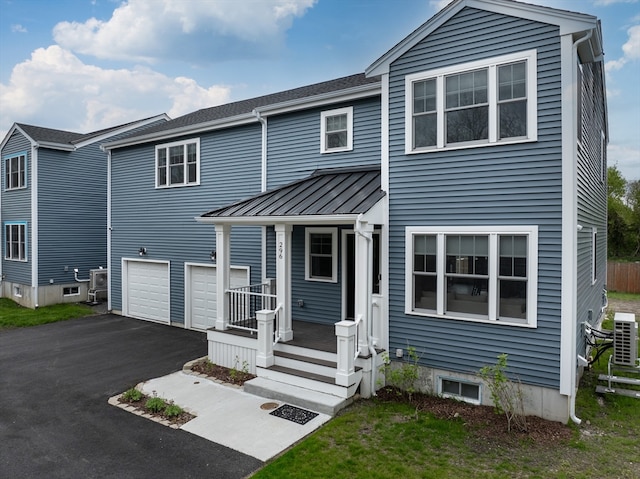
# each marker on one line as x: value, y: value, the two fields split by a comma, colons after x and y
x: 223, y: 266
x: 363, y: 291
x: 264, y: 355
x: 283, y: 280
x: 345, y: 335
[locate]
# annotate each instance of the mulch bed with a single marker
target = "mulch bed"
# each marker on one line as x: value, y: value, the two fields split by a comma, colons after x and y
x: 486, y: 426
x: 226, y: 375
x: 140, y: 405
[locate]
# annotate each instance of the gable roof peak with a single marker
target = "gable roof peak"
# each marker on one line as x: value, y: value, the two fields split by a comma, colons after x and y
x: 567, y: 21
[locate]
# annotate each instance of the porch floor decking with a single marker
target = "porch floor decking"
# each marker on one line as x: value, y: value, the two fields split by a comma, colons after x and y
x: 321, y: 337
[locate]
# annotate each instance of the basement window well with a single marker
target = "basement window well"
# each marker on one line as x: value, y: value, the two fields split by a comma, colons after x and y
x: 71, y: 291
x: 461, y: 390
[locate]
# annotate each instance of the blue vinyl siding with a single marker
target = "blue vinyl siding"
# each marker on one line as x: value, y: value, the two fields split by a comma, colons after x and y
x: 16, y: 207
x: 293, y: 153
x: 72, y: 212
x: 494, y: 185
x: 162, y: 220
x: 592, y: 201
x: 322, y: 301
x: 294, y: 142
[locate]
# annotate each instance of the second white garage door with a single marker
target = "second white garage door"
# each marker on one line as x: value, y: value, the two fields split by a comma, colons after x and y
x: 200, y: 308
x: 145, y: 290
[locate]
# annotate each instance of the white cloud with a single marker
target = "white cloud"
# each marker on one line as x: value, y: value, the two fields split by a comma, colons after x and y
x: 626, y: 158
x: 630, y: 50
x: 606, y: 3
x: 55, y: 88
x: 439, y: 4
x: 148, y: 30
x: 17, y: 28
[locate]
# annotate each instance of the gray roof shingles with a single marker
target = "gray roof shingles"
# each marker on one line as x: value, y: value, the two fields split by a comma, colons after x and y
x: 62, y: 137
x: 242, y: 107
x: 337, y: 191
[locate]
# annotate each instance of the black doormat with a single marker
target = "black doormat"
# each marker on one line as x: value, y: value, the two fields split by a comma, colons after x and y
x: 294, y: 414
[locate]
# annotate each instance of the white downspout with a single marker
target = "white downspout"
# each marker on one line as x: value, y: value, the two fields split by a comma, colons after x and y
x: 570, y: 237
x: 109, y: 269
x: 34, y: 223
x: 372, y: 349
x: 263, y: 188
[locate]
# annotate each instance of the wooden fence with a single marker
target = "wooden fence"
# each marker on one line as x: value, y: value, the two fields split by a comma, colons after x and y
x: 623, y: 277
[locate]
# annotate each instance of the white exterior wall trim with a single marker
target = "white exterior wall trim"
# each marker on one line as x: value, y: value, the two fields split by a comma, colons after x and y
x: 34, y: 223
x: 109, y: 244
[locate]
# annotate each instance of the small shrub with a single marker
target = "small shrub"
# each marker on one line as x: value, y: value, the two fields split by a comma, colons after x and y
x: 172, y: 410
x: 235, y: 373
x: 507, y: 396
x: 403, y: 375
x: 132, y: 395
x: 155, y: 404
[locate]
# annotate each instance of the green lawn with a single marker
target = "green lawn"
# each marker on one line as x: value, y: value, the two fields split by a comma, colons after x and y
x: 623, y: 296
x: 14, y: 316
x: 374, y: 439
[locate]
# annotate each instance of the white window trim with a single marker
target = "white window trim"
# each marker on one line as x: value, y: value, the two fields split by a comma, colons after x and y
x: 594, y: 255
x: 460, y: 397
x: 25, y: 238
x: 530, y: 56
x: 4, y: 171
x: 71, y: 291
x: 323, y: 129
x: 186, y: 172
x: 17, y: 291
x: 334, y: 254
x: 493, y: 232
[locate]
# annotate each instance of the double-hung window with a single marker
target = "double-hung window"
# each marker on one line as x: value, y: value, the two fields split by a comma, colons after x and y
x: 336, y: 130
x: 15, y: 172
x: 479, y: 103
x: 178, y: 164
x: 321, y: 254
x: 477, y: 274
x: 15, y: 241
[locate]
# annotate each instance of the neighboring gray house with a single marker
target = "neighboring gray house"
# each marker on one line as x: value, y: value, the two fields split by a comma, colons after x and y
x: 452, y: 199
x: 53, y: 211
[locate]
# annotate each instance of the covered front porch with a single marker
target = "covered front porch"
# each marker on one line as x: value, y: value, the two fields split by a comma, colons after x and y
x: 328, y: 227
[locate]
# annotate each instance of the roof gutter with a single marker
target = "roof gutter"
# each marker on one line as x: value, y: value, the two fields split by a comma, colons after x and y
x: 354, y: 93
x: 270, y: 220
x: 185, y: 130
x: 362, y: 91
x: 55, y: 146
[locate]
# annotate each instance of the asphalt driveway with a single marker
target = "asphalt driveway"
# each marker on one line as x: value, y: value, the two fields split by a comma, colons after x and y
x: 55, y: 380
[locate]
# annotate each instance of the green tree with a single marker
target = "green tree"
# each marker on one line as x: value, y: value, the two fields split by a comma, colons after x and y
x: 623, y: 210
x: 633, y: 200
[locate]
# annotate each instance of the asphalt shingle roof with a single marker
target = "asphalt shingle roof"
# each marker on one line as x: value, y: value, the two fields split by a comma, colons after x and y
x: 237, y: 108
x: 62, y: 137
x: 49, y: 135
x: 326, y: 192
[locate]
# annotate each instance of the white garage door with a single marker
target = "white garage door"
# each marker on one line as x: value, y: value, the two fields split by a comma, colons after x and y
x: 201, y: 307
x: 146, y: 290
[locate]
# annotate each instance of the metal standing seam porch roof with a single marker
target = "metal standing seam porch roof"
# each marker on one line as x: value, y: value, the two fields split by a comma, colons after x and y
x: 337, y: 194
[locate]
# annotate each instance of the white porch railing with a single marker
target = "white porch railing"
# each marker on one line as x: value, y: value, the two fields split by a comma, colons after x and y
x: 245, y: 302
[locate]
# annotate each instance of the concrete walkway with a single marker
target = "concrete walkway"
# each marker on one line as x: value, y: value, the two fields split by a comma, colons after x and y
x: 230, y: 417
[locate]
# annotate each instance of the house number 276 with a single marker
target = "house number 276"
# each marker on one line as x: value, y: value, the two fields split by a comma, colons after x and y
x: 280, y: 250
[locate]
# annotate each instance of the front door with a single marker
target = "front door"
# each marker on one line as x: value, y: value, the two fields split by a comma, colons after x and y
x: 349, y: 258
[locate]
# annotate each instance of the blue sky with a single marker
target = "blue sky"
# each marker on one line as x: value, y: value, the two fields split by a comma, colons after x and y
x: 83, y: 65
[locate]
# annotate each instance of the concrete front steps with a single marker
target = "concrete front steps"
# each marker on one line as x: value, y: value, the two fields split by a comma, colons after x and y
x: 303, y: 378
